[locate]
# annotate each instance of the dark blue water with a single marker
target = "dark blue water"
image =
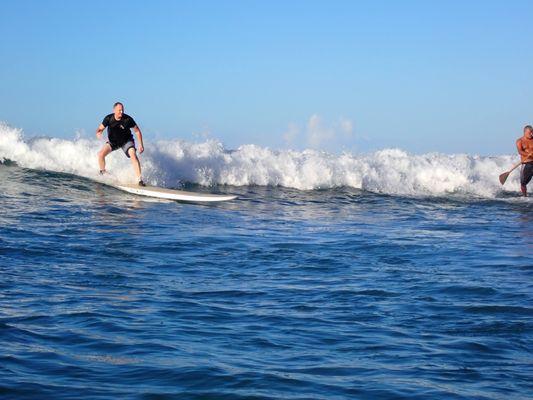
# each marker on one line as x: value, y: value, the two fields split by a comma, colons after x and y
x: 334, y: 294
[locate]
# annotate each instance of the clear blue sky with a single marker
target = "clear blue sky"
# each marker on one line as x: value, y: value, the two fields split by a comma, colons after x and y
x: 447, y: 76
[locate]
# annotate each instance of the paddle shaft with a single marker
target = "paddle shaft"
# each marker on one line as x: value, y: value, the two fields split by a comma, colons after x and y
x: 516, y: 166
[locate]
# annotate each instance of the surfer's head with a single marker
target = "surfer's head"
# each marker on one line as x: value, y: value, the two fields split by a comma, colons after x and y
x: 118, y: 109
x: 528, y: 131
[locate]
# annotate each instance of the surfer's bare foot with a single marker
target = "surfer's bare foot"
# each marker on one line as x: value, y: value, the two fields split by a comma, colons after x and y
x: 141, y: 183
x: 103, y: 172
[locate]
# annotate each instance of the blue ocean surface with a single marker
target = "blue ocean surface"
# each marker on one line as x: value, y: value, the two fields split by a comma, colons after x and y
x: 281, y: 294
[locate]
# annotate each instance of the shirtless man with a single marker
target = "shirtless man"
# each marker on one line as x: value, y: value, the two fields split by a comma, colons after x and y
x: 119, y: 136
x: 524, y: 146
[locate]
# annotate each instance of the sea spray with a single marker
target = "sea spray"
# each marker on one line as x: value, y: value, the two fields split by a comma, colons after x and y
x: 172, y: 162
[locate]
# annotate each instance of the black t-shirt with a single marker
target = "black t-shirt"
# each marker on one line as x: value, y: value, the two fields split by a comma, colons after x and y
x: 119, y: 132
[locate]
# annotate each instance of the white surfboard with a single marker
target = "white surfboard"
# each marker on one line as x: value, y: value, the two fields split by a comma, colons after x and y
x: 172, y: 194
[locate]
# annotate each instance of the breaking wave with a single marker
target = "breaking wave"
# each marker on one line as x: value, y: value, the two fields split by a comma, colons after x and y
x: 171, y: 162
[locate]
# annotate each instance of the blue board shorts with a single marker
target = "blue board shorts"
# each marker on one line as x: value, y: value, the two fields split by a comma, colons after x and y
x: 125, y: 147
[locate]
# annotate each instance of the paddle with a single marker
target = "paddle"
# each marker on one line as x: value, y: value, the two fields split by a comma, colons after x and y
x: 503, y: 177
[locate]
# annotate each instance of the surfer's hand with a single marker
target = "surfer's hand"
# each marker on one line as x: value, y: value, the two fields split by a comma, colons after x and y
x: 141, y: 149
x: 98, y: 135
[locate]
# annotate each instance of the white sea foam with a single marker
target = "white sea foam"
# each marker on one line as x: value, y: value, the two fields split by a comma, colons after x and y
x: 170, y: 162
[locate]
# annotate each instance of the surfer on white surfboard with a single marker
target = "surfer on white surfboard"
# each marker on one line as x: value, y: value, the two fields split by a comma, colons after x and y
x: 119, y: 135
x: 524, y: 145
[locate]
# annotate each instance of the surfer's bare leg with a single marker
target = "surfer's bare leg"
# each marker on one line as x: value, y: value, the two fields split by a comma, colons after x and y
x: 135, y: 162
x: 102, y: 155
x: 523, y: 188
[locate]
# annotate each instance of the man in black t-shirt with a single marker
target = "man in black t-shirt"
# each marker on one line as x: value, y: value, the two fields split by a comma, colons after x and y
x: 119, y: 136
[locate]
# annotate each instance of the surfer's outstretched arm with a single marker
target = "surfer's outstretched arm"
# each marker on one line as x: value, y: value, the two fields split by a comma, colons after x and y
x: 99, y: 131
x: 139, y: 138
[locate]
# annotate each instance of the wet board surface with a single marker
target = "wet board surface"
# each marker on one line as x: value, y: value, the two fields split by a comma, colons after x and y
x: 172, y: 194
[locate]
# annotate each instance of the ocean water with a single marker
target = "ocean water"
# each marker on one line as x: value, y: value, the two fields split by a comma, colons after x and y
x: 379, y: 276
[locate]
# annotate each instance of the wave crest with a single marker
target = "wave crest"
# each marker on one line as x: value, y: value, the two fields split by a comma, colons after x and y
x: 169, y: 162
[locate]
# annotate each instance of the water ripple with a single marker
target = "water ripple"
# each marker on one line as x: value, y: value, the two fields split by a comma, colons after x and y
x: 334, y: 294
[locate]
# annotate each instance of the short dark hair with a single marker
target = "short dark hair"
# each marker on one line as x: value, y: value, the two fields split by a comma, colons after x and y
x: 525, y: 127
x: 118, y: 103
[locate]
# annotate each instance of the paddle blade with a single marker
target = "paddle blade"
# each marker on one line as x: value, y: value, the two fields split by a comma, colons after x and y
x: 503, y: 177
